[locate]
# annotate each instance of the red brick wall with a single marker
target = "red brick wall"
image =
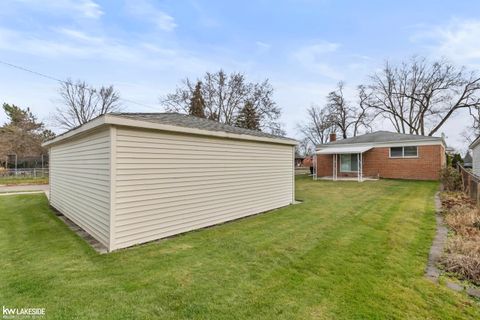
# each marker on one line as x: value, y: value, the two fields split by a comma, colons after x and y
x: 324, y: 165
x: 377, y: 162
x: 307, y: 162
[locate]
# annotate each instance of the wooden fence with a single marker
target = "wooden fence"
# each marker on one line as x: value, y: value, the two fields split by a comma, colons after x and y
x: 471, y: 184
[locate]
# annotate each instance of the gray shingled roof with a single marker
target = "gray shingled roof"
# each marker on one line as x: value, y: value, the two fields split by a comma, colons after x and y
x: 382, y: 136
x: 188, y: 121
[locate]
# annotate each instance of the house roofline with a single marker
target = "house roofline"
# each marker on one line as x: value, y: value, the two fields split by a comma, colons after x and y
x: 417, y: 142
x: 474, y: 143
x: 110, y: 119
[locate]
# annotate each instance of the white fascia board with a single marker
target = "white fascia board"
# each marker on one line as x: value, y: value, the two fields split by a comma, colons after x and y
x: 344, y: 150
x: 475, y: 143
x: 109, y: 119
x: 386, y: 144
x: 100, y: 121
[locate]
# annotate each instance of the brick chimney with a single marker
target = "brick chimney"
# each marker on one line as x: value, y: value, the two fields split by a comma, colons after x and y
x: 333, y: 137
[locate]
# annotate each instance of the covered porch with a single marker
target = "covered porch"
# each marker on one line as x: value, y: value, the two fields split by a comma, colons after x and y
x: 346, y: 159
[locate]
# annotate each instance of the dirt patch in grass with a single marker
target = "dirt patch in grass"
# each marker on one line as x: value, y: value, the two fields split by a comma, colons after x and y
x: 462, y: 255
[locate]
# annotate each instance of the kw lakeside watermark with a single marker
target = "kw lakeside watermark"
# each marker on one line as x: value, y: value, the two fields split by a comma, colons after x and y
x: 23, y: 313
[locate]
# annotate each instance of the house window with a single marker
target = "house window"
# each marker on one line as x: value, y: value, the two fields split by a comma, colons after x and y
x: 404, y: 152
x: 396, y: 152
x: 410, y: 151
x: 349, y: 162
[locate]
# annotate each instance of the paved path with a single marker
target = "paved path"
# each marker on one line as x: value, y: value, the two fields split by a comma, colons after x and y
x: 24, y: 189
x: 21, y: 188
x: 436, y: 251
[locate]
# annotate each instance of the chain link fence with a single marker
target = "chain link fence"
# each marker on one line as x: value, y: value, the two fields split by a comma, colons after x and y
x: 24, y: 173
x: 471, y: 184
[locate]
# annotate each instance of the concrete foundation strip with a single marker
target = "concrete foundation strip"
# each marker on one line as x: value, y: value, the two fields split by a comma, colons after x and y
x: 436, y: 251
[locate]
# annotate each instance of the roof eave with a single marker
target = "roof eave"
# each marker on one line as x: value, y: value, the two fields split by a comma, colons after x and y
x: 380, y: 144
x: 91, y: 125
x: 110, y: 119
x: 474, y: 143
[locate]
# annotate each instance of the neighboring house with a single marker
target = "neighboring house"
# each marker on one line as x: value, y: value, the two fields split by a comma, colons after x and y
x: 467, y: 161
x: 304, y: 162
x: 308, y: 162
x: 299, y: 161
x: 129, y: 178
x: 382, y: 154
x: 450, y: 151
x: 475, y: 147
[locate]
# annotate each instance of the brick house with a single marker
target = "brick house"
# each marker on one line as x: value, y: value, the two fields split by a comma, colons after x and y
x: 381, y: 154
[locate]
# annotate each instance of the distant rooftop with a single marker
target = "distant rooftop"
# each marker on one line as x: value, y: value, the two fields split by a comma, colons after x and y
x: 381, y: 137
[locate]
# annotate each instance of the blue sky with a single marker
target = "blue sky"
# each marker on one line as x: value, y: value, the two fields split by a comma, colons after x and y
x: 303, y: 47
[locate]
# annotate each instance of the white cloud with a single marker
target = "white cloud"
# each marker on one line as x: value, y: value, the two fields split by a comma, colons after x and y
x: 458, y: 40
x: 144, y: 9
x: 319, y: 48
x: 80, y: 36
x: 72, y: 44
x: 84, y: 8
x: 313, y: 58
x: 88, y: 8
x: 262, y: 47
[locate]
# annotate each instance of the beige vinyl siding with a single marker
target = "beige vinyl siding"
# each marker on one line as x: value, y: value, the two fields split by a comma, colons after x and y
x: 169, y: 183
x: 80, y: 182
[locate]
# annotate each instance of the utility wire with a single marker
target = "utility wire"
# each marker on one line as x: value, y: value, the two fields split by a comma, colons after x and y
x: 69, y: 83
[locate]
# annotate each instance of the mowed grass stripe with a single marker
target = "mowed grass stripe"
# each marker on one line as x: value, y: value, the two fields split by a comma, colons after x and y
x: 349, y: 251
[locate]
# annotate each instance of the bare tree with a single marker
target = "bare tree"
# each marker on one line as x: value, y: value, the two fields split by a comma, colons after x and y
x: 418, y: 97
x: 319, y: 125
x: 304, y: 148
x: 347, y: 118
x: 364, y: 118
x: 471, y: 132
x: 225, y: 95
x: 82, y: 103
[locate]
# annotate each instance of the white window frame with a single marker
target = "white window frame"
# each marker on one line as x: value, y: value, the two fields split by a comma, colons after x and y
x: 403, y: 156
x: 348, y: 171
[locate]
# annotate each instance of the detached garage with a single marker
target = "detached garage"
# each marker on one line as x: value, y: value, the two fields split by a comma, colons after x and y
x: 129, y: 178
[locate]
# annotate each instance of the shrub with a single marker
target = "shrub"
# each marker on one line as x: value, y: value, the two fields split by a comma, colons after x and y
x: 451, y: 179
x: 462, y: 254
x: 456, y: 198
x: 466, y: 267
x: 461, y: 245
x: 464, y: 220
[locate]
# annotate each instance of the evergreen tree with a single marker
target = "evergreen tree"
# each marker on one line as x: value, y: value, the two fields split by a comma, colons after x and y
x: 23, y: 134
x: 456, y: 160
x: 197, y: 103
x: 248, y: 117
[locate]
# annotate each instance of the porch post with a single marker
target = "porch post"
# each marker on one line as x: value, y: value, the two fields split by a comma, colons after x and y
x: 336, y: 167
x: 358, y: 167
x: 361, y: 167
x: 334, y: 160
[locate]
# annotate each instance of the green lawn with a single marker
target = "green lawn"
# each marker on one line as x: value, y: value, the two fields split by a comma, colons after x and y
x: 349, y: 251
x: 23, y: 180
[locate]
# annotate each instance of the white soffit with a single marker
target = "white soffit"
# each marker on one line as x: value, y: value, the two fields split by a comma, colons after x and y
x: 343, y: 150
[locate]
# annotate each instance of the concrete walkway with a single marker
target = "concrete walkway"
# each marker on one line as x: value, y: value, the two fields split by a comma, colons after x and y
x: 433, y: 272
x: 438, y: 246
x: 24, y: 189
